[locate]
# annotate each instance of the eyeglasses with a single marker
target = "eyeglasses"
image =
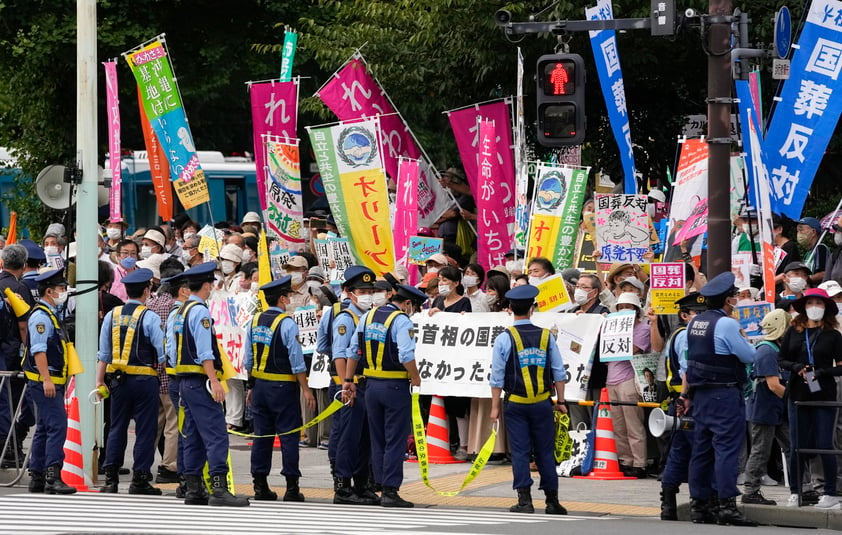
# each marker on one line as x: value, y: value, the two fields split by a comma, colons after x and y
x: 127, y: 253
x: 584, y: 288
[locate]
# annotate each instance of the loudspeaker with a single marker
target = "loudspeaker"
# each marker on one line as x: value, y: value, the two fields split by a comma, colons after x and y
x: 659, y: 422
x: 55, y: 192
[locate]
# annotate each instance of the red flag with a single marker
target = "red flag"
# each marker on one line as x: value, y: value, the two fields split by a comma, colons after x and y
x: 158, y: 167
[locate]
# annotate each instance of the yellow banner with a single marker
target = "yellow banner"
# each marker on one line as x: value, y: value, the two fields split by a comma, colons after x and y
x: 370, y: 230
x: 552, y: 294
x: 543, y: 235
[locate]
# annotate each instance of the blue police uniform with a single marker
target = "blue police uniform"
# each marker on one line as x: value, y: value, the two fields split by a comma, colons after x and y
x: 716, y: 373
x: 131, y: 343
x: 175, y: 396
x: 324, y: 344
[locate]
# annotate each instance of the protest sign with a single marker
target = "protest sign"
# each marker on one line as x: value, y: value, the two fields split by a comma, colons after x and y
x: 616, y: 340
x: 622, y: 228
x: 224, y: 307
x: 666, y: 286
x: 308, y: 324
x: 423, y: 247
x: 552, y: 294
x: 750, y: 317
x: 642, y: 363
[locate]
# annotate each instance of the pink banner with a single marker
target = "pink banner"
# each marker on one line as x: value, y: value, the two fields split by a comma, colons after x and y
x: 464, y: 125
x: 274, y: 110
x: 696, y: 224
x: 406, y: 207
x: 114, y: 161
x: 494, y: 198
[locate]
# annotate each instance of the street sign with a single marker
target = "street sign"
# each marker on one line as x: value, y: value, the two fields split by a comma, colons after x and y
x: 780, y: 69
x: 783, y: 32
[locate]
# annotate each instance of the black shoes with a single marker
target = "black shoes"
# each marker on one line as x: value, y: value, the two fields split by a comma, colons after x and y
x: 54, y: 484
x: 390, y: 498
x: 262, y: 492
x: 757, y: 498
x: 140, y: 485
x: 166, y: 476
x: 524, y: 502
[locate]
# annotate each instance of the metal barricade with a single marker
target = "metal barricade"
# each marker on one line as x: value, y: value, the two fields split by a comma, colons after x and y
x: 10, y: 476
x: 795, y: 449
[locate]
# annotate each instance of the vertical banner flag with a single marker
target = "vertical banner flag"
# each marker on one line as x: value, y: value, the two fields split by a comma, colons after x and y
x: 288, y: 55
x: 696, y: 224
x: 285, y: 208
x: 521, y: 166
x: 162, y: 104
x: 622, y: 228
x: 355, y: 185
x: 114, y: 160
x: 495, y: 209
x: 465, y: 129
x: 607, y: 59
x: 406, y: 207
x: 159, y: 167
x: 691, y: 186
x: 274, y: 111
x: 559, y: 194
x: 808, y: 110
x: 353, y: 94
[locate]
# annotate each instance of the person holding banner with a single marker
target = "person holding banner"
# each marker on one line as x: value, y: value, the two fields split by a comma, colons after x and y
x: 527, y: 364
x: 353, y: 444
x: 384, y: 343
x: 276, y: 369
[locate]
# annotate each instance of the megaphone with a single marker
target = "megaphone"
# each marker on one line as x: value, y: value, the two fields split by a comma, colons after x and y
x: 56, y: 193
x: 19, y: 306
x: 659, y: 422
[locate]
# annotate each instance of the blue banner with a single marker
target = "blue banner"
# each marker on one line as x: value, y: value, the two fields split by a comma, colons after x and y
x: 808, y: 111
x: 607, y: 58
x: 288, y: 55
x: 746, y: 105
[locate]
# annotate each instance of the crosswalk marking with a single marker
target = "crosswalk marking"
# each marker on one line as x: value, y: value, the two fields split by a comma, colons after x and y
x: 88, y: 512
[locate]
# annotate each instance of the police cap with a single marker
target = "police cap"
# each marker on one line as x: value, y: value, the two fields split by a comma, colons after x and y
x: 692, y: 301
x: 525, y: 292
x: 201, y: 273
x: 138, y: 276
x: 33, y: 251
x: 53, y: 277
x: 280, y: 286
x: 412, y: 293
x: 359, y: 277
x: 719, y: 285
x: 178, y: 278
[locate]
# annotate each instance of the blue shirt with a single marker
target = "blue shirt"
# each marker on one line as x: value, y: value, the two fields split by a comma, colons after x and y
x: 322, y: 332
x: 343, y: 333
x: 203, y: 336
x: 38, y: 340
x: 151, y: 323
x: 289, y: 337
x: 503, y: 350
x: 679, y: 343
x: 727, y: 340
x: 763, y: 406
x: 169, y: 339
x: 401, y: 330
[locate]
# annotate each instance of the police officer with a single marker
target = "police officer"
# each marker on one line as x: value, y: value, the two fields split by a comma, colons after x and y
x: 354, y: 446
x: 276, y: 369
x: 45, y: 365
x: 681, y: 442
x: 526, y: 364
x: 177, y: 287
x: 131, y: 345
x: 387, y: 343
x: 716, y: 374
x: 199, y: 369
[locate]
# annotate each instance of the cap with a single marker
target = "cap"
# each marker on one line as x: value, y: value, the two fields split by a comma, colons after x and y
x: 438, y: 258
x: 202, y: 272
x: 316, y: 273
x: 325, y: 295
x: 401, y: 272
x: 251, y: 217
x: 119, y: 221
x: 692, y: 301
x: 811, y: 222
x: 816, y: 293
x: 413, y: 294
x: 138, y: 276
x: 33, y: 251
x: 831, y: 287
x: 520, y: 253
x: 297, y: 262
x: 152, y: 263
x: 53, y: 277
x: 155, y: 236
x: 359, y: 277
x: 282, y: 285
x: 658, y: 195
x: 524, y: 292
x: 428, y: 278
x: 571, y: 276
x: 231, y: 253
x: 719, y: 285
x: 499, y: 269
x: 383, y: 286
x: 456, y: 173
x: 55, y: 229
x: 792, y: 266
x: 634, y: 281
x: 748, y: 212
x: 616, y: 268
x: 774, y: 324
x: 628, y: 298
x: 174, y: 279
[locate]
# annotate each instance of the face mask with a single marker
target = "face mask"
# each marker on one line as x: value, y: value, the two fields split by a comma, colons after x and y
x: 744, y: 227
x: 254, y: 286
x: 511, y: 265
x: 490, y: 299
x: 52, y: 250
x: 227, y: 267
x: 650, y: 210
x: 379, y: 299
x: 313, y: 285
x: 113, y: 233
x: 535, y: 281
x: 745, y: 302
x: 60, y: 299
x: 432, y: 270
x: 803, y: 239
x: 444, y: 291
x: 469, y: 281
x: 188, y: 235
x: 331, y: 234
x: 837, y: 238
x: 580, y: 296
x: 185, y: 257
x: 128, y: 262
x: 364, y: 302
x: 145, y: 252
x: 297, y: 278
x: 815, y: 313
x: 246, y: 255
x: 797, y: 284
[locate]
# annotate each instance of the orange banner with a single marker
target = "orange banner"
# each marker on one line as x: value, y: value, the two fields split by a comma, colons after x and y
x: 159, y: 167
x: 13, y: 228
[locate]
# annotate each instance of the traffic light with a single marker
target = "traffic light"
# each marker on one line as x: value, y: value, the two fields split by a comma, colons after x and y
x: 561, y: 100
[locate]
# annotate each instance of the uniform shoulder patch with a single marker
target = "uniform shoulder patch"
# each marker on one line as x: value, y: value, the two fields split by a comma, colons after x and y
x: 41, y: 328
x: 206, y: 323
x: 342, y: 330
x: 412, y: 333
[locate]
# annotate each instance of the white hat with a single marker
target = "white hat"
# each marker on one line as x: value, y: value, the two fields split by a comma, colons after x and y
x: 438, y: 258
x: 628, y: 298
x: 55, y: 229
x: 297, y: 262
x: 831, y: 287
x: 251, y: 217
x: 153, y: 263
x: 231, y: 252
x: 156, y: 236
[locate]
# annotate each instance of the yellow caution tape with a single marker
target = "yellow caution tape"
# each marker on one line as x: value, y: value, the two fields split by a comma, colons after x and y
x: 563, y: 443
x: 332, y: 408
x: 421, y: 450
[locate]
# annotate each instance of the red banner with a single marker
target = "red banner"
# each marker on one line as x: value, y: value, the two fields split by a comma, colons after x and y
x: 159, y: 167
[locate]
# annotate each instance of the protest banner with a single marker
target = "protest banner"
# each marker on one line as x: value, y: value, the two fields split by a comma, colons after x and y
x: 691, y: 186
x: 576, y: 336
x: 224, y: 308
x: 423, y: 247
x: 319, y: 374
x: 642, y: 363
x: 115, y: 161
x: 494, y: 200
x: 696, y: 224
x: 274, y: 112
x: 552, y: 294
x: 750, y: 317
x: 159, y: 166
x: 284, y: 204
x: 210, y: 240
x: 464, y: 123
x: 622, y: 228
x: 308, y: 324
x: 616, y: 338
x: 666, y: 286
x: 741, y: 267
x: 406, y: 208
x: 584, y: 252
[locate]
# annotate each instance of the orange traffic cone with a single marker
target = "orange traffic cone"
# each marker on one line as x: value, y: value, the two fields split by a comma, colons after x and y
x: 605, y: 463
x: 73, y: 471
x: 438, y: 436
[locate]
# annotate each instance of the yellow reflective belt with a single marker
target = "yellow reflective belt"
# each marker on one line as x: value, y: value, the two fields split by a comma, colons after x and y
x: 263, y: 358
x: 537, y: 392
x: 375, y: 367
x: 284, y: 377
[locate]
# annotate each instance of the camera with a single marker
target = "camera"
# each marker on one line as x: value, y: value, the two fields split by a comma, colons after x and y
x: 503, y: 16
x: 691, y: 13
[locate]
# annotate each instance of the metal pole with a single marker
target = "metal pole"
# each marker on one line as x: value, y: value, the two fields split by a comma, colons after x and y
x: 719, y: 134
x: 86, y: 219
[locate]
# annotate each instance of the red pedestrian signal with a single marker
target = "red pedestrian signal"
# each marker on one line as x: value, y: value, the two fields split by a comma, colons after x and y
x: 559, y: 78
x: 561, y: 100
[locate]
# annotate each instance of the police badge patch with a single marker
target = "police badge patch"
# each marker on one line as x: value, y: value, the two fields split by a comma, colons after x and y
x: 342, y: 330
x: 41, y: 328
x: 412, y: 333
x: 206, y: 323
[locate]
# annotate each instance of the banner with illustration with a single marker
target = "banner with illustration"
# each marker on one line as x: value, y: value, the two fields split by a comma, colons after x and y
x: 284, y: 205
x: 750, y: 317
x: 556, y: 207
x: 355, y: 185
x: 465, y: 123
x: 159, y: 166
x: 162, y: 103
x: 115, y: 163
x: 423, y: 247
x: 645, y: 366
x: 494, y: 200
x: 690, y: 187
x: 224, y: 308
x: 274, y: 112
x: 622, y: 228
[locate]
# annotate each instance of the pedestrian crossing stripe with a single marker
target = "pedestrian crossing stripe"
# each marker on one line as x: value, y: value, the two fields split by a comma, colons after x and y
x: 85, y: 512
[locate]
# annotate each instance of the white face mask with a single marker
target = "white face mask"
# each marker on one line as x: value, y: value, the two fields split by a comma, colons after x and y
x: 469, y: 281
x: 797, y: 284
x: 188, y: 235
x: 145, y: 252
x: 254, y: 286
x: 745, y: 302
x: 51, y: 250
x: 814, y: 313
x: 60, y: 299
x: 490, y: 299
x: 512, y: 265
x: 313, y: 285
x: 444, y: 291
x: 227, y: 267
x: 113, y: 233
x: 297, y: 278
x: 378, y: 299
x: 185, y: 256
x: 837, y: 238
x: 246, y: 255
x: 581, y: 296
x: 432, y: 270
x: 364, y: 301
x: 535, y: 281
